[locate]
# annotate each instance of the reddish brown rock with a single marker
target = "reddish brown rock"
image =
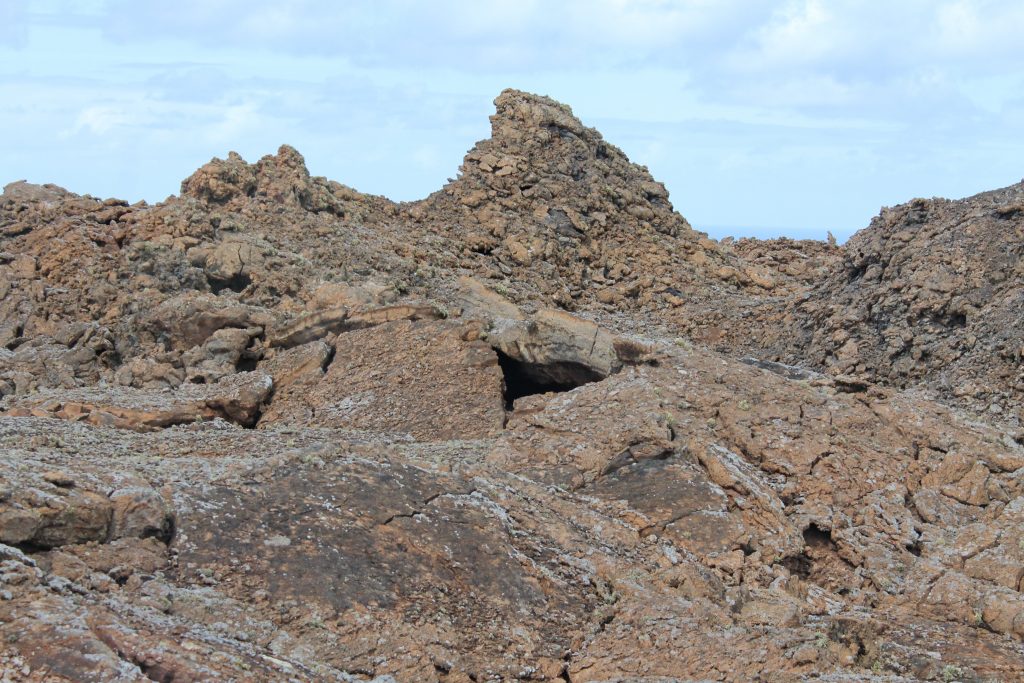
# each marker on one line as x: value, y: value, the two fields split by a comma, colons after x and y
x: 433, y: 380
x: 314, y: 326
x: 927, y: 294
x: 740, y: 460
x: 237, y: 398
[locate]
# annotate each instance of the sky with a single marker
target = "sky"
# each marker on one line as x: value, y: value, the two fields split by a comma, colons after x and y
x: 762, y: 117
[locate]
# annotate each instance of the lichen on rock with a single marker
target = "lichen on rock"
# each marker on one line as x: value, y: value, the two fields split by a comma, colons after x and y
x: 531, y: 427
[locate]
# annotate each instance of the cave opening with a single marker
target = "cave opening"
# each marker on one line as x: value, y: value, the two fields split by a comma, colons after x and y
x: 816, y: 537
x: 523, y: 378
x: 235, y: 283
x: 817, y: 542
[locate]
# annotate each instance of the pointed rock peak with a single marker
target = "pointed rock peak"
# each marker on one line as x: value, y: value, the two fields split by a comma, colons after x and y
x: 546, y: 202
x: 516, y: 109
x: 221, y: 180
x: 540, y: 151
x: 543, y: 164
x: 280, y: 178
x: 283, y: 177
x: 287, y: 162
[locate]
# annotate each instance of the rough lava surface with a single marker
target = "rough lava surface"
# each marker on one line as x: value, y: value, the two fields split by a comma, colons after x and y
x: 532, y: 427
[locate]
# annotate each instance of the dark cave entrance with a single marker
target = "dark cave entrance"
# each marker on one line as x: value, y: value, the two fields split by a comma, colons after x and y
x: 816, y: 542
x: 235, y: 283
x: 526, y: 379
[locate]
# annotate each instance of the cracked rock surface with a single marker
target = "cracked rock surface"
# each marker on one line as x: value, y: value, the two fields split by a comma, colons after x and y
x: 532, y: 427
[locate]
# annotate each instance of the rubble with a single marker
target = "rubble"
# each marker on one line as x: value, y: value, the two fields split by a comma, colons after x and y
x: 531, y: 427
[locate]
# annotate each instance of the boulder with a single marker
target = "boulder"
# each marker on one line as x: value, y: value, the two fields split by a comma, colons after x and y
x: 237, y: 398
x: 430, y: 379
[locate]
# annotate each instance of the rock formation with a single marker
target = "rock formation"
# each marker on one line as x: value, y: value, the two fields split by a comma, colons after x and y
x: 532, y: 427
x: 929, y: 294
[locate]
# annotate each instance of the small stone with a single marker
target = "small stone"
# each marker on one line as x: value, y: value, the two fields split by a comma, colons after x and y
x: 805, y: 655
x: 60, y: 479
x: 278, y: 541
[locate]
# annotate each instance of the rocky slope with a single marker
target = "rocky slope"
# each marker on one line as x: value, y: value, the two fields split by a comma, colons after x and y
x: 929, y: 294
x: 532, y: 427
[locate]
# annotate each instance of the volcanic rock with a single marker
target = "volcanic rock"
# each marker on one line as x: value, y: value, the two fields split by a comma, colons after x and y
x: 434, y: 380
x: 532, y: 427
x: 928, y: 295
x: 236, y: 398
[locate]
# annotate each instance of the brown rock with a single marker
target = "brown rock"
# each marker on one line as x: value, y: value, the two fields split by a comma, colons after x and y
x: 318, y: 325
x: 219, y: 181
x: 236, y: 398
x: 479, y: 301
x: 531, y: 427
x: 232, y: 263
x: 140, y: 512
x: 557, y: 347
x: 41, y: 518
x: 409, y: 376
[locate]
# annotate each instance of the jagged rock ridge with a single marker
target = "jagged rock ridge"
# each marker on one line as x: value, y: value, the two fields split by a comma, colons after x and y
x: 276, y: 429
x: 549, y: 203
x: 929, y: 294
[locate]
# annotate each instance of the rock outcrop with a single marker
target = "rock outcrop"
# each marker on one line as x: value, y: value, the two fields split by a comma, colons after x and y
x: 532, y: 427
x: 433, y: 380
x: 555, y: 213
x: 928, y: 295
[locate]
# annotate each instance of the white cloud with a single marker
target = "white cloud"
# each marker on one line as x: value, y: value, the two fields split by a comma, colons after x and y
x: 877, y: 37
x: 485, y: 18
x: 130, y: 114
x: 102, y: 119
x: 234, y: 123
x: 978, y: 30
x: 811, y: 105
x: 648, y: 24
x: 958, y: 25
x: 802, y: 32
x: 465, y: 34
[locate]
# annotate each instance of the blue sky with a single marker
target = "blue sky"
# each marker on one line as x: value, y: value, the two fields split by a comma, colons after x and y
x: 761, y: 117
